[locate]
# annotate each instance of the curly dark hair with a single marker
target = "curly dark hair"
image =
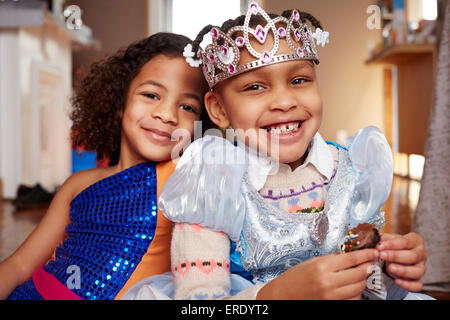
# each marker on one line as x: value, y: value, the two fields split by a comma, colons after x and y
x: 101, y: 98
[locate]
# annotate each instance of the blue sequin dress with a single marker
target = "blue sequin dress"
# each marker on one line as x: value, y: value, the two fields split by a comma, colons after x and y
x: 113, y: 222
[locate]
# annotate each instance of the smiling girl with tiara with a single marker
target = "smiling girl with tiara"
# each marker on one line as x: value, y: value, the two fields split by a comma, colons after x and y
x: 264, y: 219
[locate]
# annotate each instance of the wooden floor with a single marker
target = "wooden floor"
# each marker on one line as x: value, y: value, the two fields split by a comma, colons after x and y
x: 15, y: 226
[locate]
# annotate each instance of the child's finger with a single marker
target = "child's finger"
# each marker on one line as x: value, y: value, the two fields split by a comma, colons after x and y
x: 413, y: 272
x: 388, y: 236
x: 352, y: 290
x: 352, y: 275
x: 355, y: 258
x: 409, y: 285
x: 358, y: 297
x: 397, y: 243
x: 408, y: 241
x: 401, y: 256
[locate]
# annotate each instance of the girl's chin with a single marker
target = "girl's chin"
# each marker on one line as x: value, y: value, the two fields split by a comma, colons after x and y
x: 156, y: 153
x: 289, y: 156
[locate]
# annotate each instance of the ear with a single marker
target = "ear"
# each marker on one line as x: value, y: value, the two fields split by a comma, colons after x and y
x: 216, y: 111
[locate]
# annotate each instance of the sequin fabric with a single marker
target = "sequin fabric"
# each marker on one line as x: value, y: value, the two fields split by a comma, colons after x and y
x: 112, y: 225
x: 26, y: 291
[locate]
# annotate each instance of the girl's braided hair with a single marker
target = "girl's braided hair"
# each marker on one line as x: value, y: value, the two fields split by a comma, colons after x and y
x: 101, y: 99
x: 239, y: 21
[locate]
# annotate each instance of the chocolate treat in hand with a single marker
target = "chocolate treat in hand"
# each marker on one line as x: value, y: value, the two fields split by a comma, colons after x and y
x: 363, y: 236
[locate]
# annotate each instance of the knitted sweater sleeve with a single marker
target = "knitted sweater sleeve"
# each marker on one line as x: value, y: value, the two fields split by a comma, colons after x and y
x: 200, y: 263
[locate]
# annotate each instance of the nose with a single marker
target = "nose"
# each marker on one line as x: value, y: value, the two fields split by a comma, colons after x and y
x: 283, y: 99
x: 166, y: 112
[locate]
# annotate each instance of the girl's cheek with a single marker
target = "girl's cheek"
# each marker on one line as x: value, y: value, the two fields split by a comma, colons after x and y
x: 189, y: 126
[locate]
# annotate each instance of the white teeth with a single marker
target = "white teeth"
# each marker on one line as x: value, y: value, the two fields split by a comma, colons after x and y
x: 284, y: 128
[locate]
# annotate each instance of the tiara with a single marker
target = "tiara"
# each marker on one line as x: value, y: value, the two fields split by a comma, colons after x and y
x: 220, y: 61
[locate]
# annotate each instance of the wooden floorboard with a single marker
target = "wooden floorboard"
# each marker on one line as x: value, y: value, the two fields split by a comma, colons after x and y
x: 15, y: 226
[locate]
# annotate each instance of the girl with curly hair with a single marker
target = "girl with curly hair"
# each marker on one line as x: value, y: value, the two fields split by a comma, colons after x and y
x: 104, y: 222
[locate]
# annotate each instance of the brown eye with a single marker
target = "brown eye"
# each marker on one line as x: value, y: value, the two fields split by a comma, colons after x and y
x: 188, y: 108
x: 150, y: 96
x: 254, y: 87
x: 298, y: 81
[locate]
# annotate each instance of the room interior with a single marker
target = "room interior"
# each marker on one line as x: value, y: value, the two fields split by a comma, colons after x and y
x: 379, y: 69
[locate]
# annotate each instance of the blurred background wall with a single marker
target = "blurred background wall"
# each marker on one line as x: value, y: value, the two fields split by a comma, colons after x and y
x: 115, y: 23
x: 36, y: 81
x: 355, y: 93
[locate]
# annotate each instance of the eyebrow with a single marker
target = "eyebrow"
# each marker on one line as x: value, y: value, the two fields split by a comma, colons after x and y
x: 154, y: 83
x: 307, y: 63
x: 186, y: 94
x: 193, y: 96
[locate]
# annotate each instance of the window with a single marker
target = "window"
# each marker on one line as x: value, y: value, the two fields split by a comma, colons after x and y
x: 409, y: 165
x: 416, y: 164
x: 189, y: 17
x: 422, y: 9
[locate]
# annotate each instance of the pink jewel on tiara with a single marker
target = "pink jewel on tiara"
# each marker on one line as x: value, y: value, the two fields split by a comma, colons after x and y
x: 308, y: 35
x: 239, y: 41
x: 260, y: 34
x: 254, y: 8
x: 214, y: 33
x: 297, y: 34
x: 282, y: 32
x: 211, y: 58
x: 296, y: 15
x: 224, y: 51
x: 231, y: 69
x: 300, y: 53
x: 226, y: 55
x: 266, y: 57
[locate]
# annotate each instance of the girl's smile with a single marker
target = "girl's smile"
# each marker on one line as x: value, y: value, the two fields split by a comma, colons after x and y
x: 158, y: 136
x: 286, y: 132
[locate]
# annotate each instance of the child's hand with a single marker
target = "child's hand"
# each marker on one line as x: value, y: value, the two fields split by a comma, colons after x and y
x: 333, y: 277
x: 405, y: 258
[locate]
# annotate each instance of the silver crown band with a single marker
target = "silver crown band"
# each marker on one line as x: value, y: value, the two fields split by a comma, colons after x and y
x: 255, y: 64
